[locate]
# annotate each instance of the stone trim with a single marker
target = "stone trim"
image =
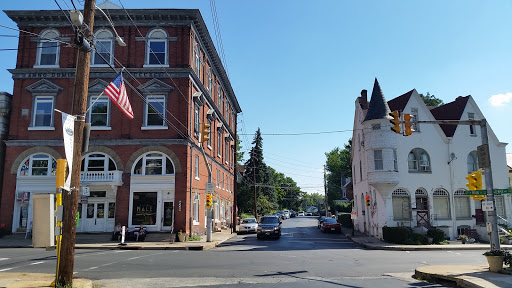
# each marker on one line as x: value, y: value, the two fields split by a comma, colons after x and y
x: 30, y: 151
x: 174, y: 158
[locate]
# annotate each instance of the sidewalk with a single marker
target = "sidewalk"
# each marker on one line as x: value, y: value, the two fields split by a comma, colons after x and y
x: 473, y: 276
x: 154, y: 241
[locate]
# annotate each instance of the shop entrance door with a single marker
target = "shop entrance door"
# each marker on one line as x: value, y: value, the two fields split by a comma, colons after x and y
x: 168, y: 216
x: 94, y: 220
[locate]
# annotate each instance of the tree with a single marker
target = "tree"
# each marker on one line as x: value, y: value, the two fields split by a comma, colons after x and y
x: 239, y: 152
x: 338, y: 164
x: 431, y: 100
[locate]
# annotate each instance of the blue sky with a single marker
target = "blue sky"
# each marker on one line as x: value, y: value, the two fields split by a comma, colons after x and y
x: 298, y: 66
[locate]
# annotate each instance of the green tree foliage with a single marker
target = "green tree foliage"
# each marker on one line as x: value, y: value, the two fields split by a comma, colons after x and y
x: 239, y: 152
x: 310, y: 200
x: 431, y: 100
x: 337, y: 164
x: 274, y: 191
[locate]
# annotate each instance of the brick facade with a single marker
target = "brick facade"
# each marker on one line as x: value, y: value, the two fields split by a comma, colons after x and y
x: 126, y: 141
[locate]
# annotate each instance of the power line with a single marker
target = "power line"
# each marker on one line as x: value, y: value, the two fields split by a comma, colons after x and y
x: 306, y: 133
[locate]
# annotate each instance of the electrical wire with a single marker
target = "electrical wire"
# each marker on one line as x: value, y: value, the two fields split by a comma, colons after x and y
x: 34, y: 34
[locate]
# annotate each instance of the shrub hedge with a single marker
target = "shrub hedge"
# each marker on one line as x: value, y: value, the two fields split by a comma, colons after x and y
x: 345, y: 220
x: 397, y: 235
x: 437, y: 235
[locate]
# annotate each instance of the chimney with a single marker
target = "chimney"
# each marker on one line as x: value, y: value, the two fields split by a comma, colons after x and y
x: 364, y: 99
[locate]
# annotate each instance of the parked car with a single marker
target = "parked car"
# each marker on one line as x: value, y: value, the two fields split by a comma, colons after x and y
x: 309, y: 214
x: 248, y: 225
x: 269, y: 226
x: 301, y: 213
x: 280, y: 215
x: 287, y: 214
x: 320, y: 221
x: 330, y: 225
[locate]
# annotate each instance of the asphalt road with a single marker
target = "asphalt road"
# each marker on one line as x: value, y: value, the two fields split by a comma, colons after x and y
x: 303, y: 257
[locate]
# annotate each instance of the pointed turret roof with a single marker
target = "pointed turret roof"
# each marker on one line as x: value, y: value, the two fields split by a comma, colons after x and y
x: 378, y: 108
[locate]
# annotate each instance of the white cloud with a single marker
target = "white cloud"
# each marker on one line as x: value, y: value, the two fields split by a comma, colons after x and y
x: 500, y: 99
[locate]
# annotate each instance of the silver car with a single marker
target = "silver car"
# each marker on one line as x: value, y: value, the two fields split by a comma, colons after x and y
x: 248, y: 225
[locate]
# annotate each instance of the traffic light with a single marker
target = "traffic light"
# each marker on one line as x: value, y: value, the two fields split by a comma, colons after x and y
x: 209, y: 201
x: 408, y: 124
x: 367, y: 200
x: 475, y: 181
x: 395, y: 121
x: 205, y: 132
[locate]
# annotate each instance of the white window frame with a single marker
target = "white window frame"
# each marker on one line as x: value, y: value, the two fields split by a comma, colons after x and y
x: 209, y: 142
x: 415, y: 126
x: 152, y: 39
x: 196, y: 167
x: 159, y: 101
x: 97, y: 156
x: 155, y: 155
x: 103, y: 40
x: 96, y: 100
x: 38, y: 100
x: 378, y: 162
x: 441, y: 203
x: 472, y: 128
x: 210, y: 81
x: 401, y: 201
x: 197, y: 59
x: 462, y: 205
x: 219, y: 144
x: 472, y: 161
x: 43, y: 39
x: 418, y: 160
x: 196, y: 209
x: 26, y: 168
x: 196, y: 120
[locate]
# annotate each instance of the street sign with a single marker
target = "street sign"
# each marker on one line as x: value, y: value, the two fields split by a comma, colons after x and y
x: 484, y: 161
x: 487, y: 206
x: 210, y: 188
x: 86, y: 191
x: 84, y: 199
x: 353, y: 215
x: 484, y: 192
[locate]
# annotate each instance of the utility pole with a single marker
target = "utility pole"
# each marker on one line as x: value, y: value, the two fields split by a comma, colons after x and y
x: 254, y: 181
x: 491, y: 215
x: 67, y: 253
x: 325, y: 190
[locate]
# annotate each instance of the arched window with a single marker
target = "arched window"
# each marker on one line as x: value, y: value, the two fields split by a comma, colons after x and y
x: 418, y: 160
x: 462, y: 207
x: 48, y: 48
x: 104, y: 52
x: 156, y: 48
x: 38, y: 165
x: 472, y: 162
x: 401, y: 204
x: 98, y: 162
x: 421, y: 199
x: 153, y: 163
x: 441, y: 204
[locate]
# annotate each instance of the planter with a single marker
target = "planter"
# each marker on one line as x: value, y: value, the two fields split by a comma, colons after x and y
x: 183, y: 238
x: 495, y: 263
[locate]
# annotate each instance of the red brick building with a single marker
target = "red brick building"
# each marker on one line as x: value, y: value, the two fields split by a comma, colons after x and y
x: 148, y: 170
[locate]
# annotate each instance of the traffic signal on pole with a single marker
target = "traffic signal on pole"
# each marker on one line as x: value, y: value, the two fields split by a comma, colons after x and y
x: 395, y: 121
x: 408, y: 124
x: 367, y: 200
x: 205, y: 132
x: 475, y: 181
x: 209, y: 201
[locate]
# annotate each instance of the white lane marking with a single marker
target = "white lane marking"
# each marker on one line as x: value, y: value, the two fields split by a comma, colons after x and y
x: 132, y: 258
x: 408, y: 252
x: 7, y: 269
x: 35, y: 263
x: 4, y: 259
x: 454, y: 252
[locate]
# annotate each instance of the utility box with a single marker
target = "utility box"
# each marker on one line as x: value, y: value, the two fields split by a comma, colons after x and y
x: 43, y: 233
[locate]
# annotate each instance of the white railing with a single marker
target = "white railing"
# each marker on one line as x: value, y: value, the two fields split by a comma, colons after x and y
x: 101, y: 176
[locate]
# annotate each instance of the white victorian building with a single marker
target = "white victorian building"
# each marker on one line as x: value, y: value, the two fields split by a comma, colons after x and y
x: 420, y: 180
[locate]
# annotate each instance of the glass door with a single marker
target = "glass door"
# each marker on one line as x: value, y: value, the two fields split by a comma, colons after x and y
x: 168, y: 216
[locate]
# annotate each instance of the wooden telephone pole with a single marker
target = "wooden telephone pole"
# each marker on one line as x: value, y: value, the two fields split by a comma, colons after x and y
x: 67, y: 253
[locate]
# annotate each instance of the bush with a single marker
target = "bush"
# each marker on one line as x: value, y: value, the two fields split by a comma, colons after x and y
x: 437, y: 235
x: 416, y: 239
x: 397, y: 235
x: 343, y: 207
x: 345, y: 220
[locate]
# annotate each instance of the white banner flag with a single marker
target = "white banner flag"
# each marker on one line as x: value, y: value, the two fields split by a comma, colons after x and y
x: 68, y: 128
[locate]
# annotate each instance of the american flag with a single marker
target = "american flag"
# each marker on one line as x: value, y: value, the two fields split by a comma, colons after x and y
x: 117, y: 92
